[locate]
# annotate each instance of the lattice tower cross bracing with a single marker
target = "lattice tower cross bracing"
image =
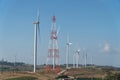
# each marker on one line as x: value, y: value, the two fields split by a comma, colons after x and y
x: 53, y: 51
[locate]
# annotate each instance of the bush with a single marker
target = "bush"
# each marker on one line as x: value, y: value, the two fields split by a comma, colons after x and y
x: 23, y: 78
x: 115, y: 76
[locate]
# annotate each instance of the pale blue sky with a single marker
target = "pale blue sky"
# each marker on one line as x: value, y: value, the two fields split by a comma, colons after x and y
x: 91, y: 24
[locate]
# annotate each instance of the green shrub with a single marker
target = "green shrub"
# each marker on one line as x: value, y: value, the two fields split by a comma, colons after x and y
x: 23, y: 78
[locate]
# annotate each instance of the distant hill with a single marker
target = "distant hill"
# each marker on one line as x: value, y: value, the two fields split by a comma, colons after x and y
x: 11, y: 63
x: 14, y: 66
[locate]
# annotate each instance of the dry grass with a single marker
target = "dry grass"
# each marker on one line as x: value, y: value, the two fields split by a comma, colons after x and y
x: 85, y: 73
x: 40, y: 76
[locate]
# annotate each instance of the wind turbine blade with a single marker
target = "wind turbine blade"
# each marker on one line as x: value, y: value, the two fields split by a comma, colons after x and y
x: 39, y: 33
x: 58, y: 30
x: 78, y: 51
x: 38, y: 22
x: 68, y: 38
x: 38, y: 15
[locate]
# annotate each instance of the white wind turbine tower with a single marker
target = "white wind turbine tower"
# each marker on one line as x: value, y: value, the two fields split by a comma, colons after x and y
x: 85, y: 57
x: 73, y: 60
x: 36, y: 30
x: 85, y: 60
x: 67, y: 52
x: 77, y: 57
x: 92, y: 61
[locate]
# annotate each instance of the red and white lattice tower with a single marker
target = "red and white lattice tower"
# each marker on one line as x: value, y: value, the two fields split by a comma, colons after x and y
x: 53, y: 51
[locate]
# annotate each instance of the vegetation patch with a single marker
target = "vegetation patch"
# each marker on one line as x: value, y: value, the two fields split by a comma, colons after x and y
x: 88, y: 79
x: 112, y: 76
x: 23, y: 78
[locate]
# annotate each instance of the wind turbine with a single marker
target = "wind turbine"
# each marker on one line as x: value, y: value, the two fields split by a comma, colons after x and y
x: 85, y: 59
x: 92, y: 65
x: 74, y: 60
x: 36, y: 30
x: 15, y: 63
x: 67, y: 53
x: 77, y: 57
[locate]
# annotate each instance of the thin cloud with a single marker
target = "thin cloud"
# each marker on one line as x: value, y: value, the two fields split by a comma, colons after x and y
x: 106, y: 47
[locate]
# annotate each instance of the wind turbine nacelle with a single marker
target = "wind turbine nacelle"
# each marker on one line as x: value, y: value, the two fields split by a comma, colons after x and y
x: 78, y: 50
x: 36, y: 22
x: 69, y: 43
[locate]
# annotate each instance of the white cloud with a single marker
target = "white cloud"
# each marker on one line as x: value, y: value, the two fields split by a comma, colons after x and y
x: 106, y: 47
